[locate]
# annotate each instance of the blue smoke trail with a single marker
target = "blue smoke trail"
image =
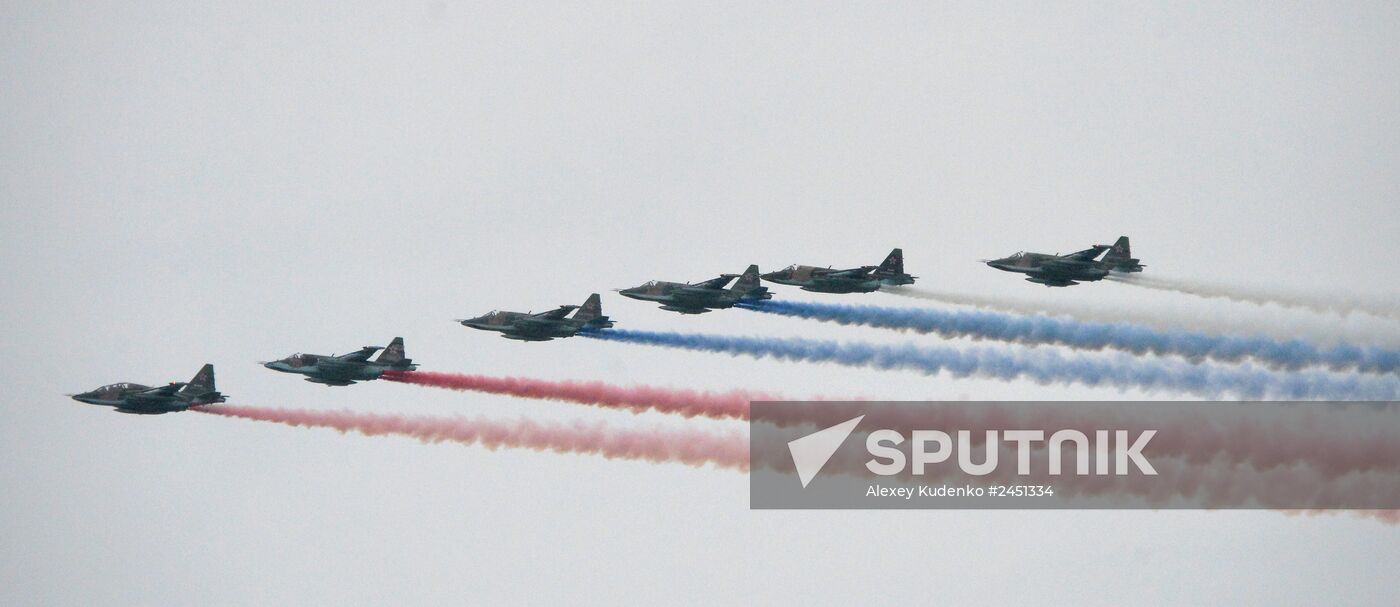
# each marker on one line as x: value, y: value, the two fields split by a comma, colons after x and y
x: 1138, y: 339
x: 1043, y: 366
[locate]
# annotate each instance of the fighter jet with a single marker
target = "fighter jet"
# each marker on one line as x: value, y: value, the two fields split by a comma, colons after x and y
x: 864, y: 279
x: 1055, y: 270
x: 346, y: 369
x: 544, y: 326
x: 145, y: 400
x: 1120, y: 257
x: 701, y: 297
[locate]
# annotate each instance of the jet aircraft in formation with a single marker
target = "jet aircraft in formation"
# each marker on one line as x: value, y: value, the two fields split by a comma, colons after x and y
x: 1072, y: 269
x: 544, y: 326
x: 701, y: 297
x: 1055, y: 270
x: 346, y: 369
x: 569, y: 320
x: 864, y: 279
x: 146, y: 400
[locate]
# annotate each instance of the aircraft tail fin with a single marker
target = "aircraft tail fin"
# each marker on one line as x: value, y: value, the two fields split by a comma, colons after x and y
x: 893, y: 263
x: 394, y: 356
x: 203, y: 381
x: 1120, y: 250
x: 891, y: 270
x: 591, y: 313
x: 201, y: 389
x: 748, y: 285
x: 1120, y: 257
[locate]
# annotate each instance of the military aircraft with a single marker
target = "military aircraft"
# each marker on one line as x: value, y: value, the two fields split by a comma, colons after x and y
x: 544, y: 326
x: 145, y: 400
x: 1055, y: 270
x: 1120, y: 257
x: 346, y: 369
x: 701, y: 297
x: 864, y: 279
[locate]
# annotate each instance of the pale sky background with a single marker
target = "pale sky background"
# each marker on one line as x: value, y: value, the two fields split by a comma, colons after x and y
x: 227, y: 183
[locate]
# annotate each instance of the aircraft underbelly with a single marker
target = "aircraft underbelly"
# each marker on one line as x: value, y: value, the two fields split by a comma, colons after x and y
x: 521, y: 337
x: 684, y: 309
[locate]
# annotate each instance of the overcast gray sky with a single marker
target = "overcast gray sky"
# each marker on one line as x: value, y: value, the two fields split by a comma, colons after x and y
x: 226, y: 183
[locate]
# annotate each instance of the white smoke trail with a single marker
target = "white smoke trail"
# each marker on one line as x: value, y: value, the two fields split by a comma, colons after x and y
x: 1342, y: 305
x: 1272, y: 322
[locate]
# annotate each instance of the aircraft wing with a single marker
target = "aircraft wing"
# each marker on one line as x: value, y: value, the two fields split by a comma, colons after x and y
x: 361, y: 356
x: 1086, y: 255
x: 543, y: 319
x: 1074, y: 261
x: 556, y: 314
x: 860, y: 272
x: 713, y: 283
x: 166, y: 390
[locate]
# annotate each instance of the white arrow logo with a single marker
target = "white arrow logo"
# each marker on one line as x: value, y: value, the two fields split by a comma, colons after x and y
x: 811, y: 452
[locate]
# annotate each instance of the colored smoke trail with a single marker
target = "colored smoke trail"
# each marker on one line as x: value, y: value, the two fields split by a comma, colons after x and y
x: 1340, y: 443
x: 689, y: 403
x: 1219, y: 485
x: 1044, y: 366
x: 1389, y: 309
x: 1291, y: 354
x: 1274, y: 322
x: 693, y: 448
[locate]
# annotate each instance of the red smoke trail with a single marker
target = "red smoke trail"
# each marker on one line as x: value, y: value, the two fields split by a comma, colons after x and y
x: 1220, y: 485
x: 725, y: 450
x: 1334, y: 447
x: 690, y: 403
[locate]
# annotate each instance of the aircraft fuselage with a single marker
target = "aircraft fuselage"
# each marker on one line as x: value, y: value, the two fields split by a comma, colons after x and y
x: 329, y: 370
x: 1050, y: 270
